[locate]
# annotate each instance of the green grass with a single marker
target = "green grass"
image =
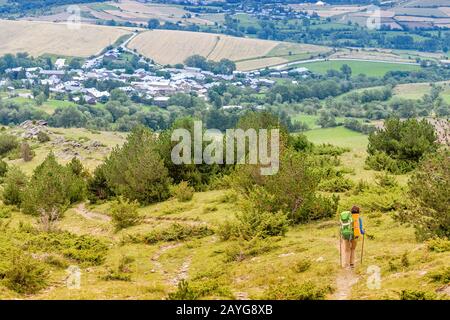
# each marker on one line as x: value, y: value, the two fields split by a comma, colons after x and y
x: 154, y: 268
x: 416, y: 91
x: 311, y: 120
x: 50, y: 105
x: 338, y: 136
x: 371, y: 69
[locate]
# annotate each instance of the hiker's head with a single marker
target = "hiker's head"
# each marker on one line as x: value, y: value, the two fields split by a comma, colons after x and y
x: 355, y: 209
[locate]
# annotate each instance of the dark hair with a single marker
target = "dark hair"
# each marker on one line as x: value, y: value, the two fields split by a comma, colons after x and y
x: 355, y: 209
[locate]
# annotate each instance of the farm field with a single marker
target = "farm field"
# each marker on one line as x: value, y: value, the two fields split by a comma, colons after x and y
x: 416, y: 91
x: 327, y: 11
x: 137, y: 12
x: 370, y: 54
x: 39, y: 38
x: 371, y: 69
x: 171, y: 47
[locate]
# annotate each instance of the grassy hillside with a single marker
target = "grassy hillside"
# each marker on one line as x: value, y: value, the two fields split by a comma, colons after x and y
x: 179, y: 240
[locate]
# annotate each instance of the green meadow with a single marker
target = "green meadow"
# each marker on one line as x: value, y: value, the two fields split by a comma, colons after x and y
x: 371, y: 69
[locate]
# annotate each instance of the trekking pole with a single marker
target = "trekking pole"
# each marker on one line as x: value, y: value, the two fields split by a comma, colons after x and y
x: 362, y: 248
x: 340, y: 248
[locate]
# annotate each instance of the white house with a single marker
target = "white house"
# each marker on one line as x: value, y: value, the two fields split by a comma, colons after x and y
x: 60, y: 64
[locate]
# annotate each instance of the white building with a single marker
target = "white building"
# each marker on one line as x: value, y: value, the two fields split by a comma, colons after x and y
x: 60, y: 64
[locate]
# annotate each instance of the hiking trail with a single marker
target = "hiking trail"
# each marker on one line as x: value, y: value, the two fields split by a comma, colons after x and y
x: 345, y: 280
x: 90, y: 215
x: 181, y: 273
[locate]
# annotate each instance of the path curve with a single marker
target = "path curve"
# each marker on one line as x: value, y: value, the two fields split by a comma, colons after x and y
x: 90, y: 215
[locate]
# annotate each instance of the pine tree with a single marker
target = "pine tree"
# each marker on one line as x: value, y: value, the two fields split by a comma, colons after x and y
x: 26, y: 153
x: 52, y: 187
x: 14, y: 186
x: 136, y: 170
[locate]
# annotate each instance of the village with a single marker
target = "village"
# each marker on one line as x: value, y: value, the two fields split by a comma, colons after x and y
x: 151, y: 83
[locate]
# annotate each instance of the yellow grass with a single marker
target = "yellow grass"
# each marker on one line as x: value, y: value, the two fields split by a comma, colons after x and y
x: 38, y: 38
x: 171, y: 47
x: 241, y: 48
x: 90, y: 157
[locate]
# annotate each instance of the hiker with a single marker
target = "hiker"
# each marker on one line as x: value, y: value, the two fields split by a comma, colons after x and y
x: 351, y: 230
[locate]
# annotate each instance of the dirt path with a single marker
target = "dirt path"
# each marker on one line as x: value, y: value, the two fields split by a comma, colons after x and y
x: 181, y: 273
x: 345, y: 280
x: 81, y: 210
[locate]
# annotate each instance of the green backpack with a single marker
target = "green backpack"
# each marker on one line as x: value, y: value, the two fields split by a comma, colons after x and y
x: 346, y: 225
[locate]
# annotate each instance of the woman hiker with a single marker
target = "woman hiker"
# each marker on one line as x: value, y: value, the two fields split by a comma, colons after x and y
x: 351, y: 230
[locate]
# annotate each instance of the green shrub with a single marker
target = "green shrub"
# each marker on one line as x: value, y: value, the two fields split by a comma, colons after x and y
x: 336, y: 184
x: 182, y: 191
x: 302, y: 265
x: 7, y: 144
x: 428, y: 201
x: 405, y: 260
x: 400, y: 145
x: 385, y: 180
x: 122, y: 272
x: 5, y: 212
x: 14, y: 186
x: 329, y: 149
x: 113, y: 275
x: 293, y: 190
x: 3, y: 168
x: 136, y: 170
x: 43, y: 137
x: 253, y: 222
x: 52, y: 187
x: 208, y: 209
x: 242, y: 250
x: 184, y: 292
x: 25, y: 152
x: 438, y: 245
x: 417, y: 295
x: 124, y: 213
x: 376, y: 199
x: 56, y: 261
x: 290, y: 291
x: 174, y: 232
x: 25, y: 275
x: 442, y: 276
x: 380, y: 161
x: 85, y: 249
